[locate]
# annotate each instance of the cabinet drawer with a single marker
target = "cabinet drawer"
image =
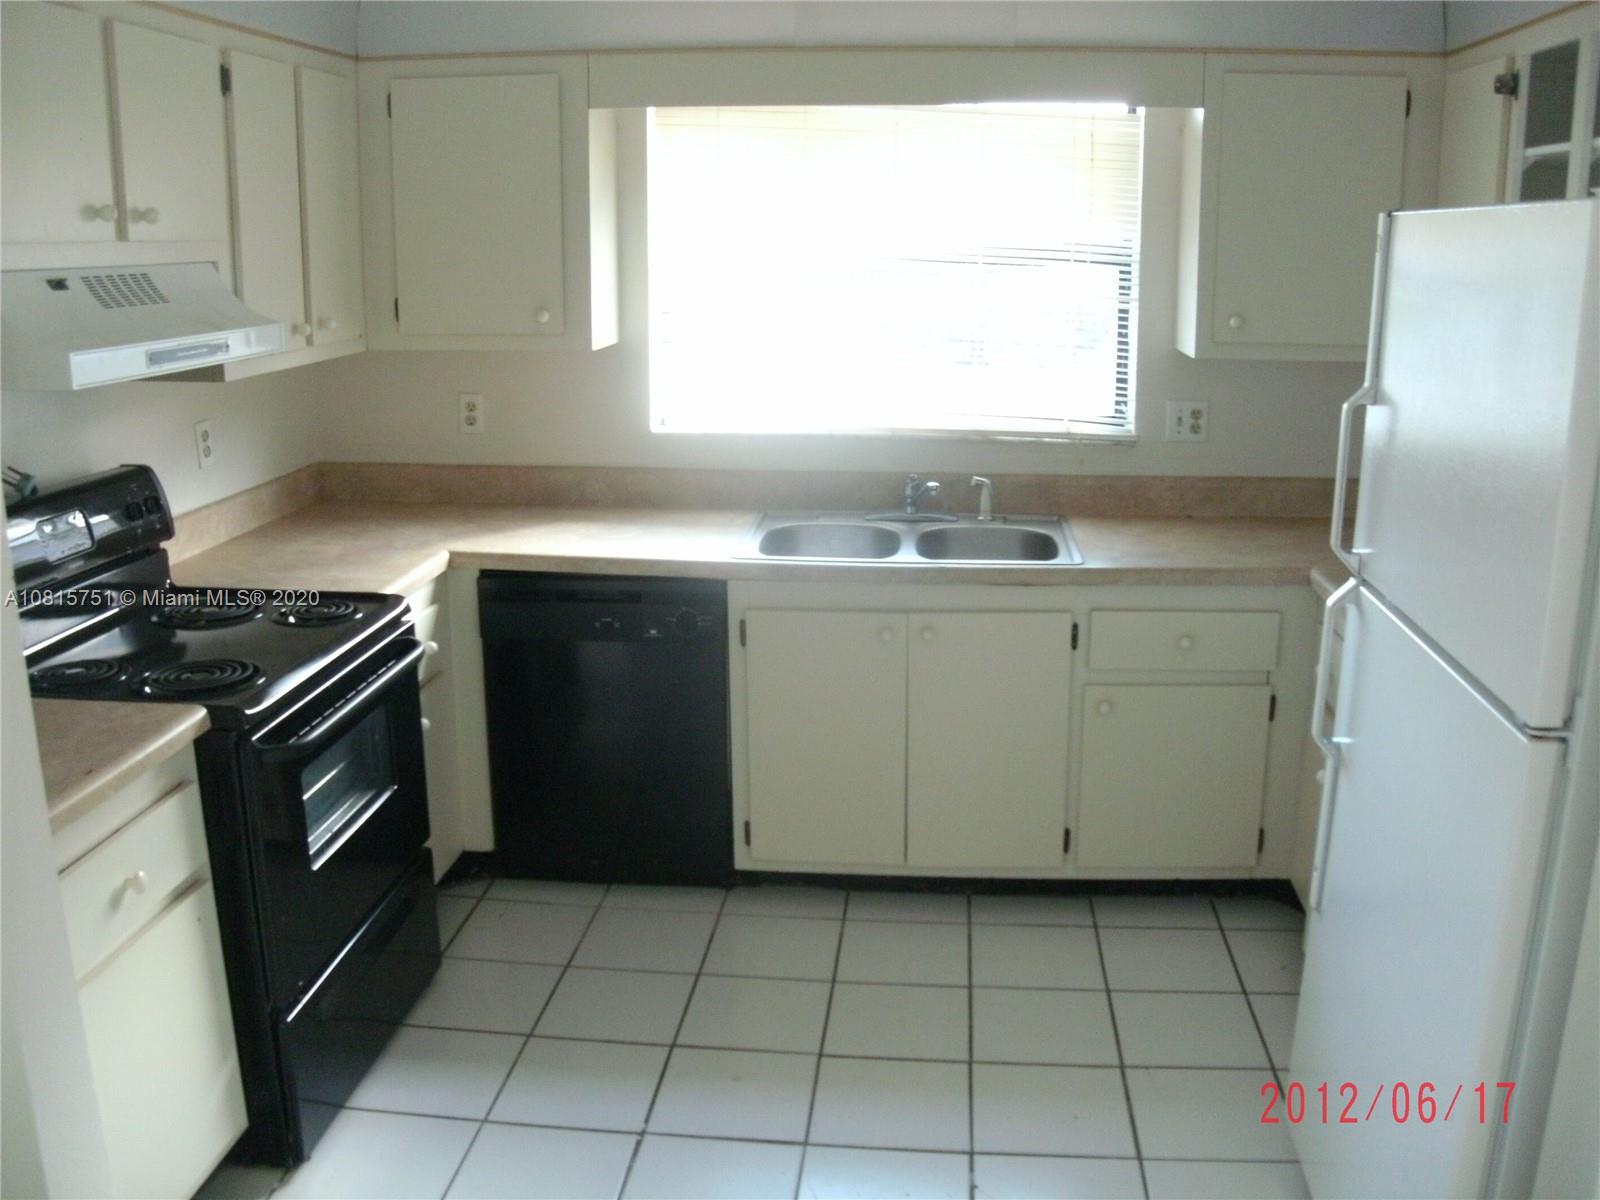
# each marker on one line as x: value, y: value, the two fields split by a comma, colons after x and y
x: 430, y: 628
x: 1183, y: 641
x: 125, y: 881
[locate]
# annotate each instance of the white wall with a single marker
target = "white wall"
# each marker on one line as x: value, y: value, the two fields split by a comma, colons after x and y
x: 1467, y: 21
x: 435, y: 26
x: 261, y: 428
x: 590, y: 409
x: 330, y: 24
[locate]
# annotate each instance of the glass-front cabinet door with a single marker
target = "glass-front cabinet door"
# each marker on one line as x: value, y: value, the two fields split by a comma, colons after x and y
x: 1558, y: 124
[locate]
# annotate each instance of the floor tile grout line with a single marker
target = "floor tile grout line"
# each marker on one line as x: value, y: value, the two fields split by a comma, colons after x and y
x: 666, y: 1062
x: 972, y: 1069
x: 1251, y: 1008
x: 822, y: 1045
x: 1122, y: 1064
x: 512, y: 1067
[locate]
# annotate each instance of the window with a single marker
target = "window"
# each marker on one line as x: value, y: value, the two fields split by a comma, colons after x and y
x: 959, y: 269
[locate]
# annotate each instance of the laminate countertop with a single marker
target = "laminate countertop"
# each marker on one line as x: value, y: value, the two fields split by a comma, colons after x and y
x: 90, y: 748
x: 335, y: 546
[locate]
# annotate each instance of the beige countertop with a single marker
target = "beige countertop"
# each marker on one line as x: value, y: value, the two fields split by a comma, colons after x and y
x: 398, y: 547
x: 90, y: 748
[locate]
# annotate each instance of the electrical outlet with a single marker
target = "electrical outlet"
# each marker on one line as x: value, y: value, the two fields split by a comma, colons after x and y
x: 1188, y: 420
x: 470, y: 405
x: 205, y: 449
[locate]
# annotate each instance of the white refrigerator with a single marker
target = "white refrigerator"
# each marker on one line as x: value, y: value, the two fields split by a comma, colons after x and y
x: 1459, y: 825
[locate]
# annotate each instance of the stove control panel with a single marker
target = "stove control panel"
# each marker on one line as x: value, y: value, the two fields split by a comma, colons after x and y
x: 59, y: 534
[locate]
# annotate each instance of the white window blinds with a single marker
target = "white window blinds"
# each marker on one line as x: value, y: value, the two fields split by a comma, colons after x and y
x: 968, y: 269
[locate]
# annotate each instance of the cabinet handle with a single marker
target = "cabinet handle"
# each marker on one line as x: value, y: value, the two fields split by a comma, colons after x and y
x: 926, y: 633
x: 103, y: 212
x: 299, y: 329
x: 136, y: 882
x: 886, y: 634
x: 1185, y: 642
x: 149, y: 216
x: 1236, y: 321
x: 426, y: 724
x: 542, y: 316
x: 1104, y: 708
x: 327, y: 323
x: 430, y: 647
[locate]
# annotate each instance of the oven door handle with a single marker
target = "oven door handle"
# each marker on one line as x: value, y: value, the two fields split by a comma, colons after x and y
x: 347, y: 713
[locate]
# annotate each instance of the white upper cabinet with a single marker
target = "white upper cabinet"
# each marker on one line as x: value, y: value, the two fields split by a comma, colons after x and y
x: 269, y: 272
x: 1472, y: 147
x: 56, y: 183
x: 1284, y: 177
x: 168, y: 104
x: 330, y: 186
x: 477, y: 204
x: 488, y: 193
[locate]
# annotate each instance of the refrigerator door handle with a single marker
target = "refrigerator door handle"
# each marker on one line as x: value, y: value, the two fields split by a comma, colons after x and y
x: 1365, y: 395
x: 1329, y: 742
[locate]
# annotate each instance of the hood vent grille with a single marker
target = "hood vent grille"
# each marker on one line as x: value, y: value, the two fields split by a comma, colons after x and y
x: 125, y: 289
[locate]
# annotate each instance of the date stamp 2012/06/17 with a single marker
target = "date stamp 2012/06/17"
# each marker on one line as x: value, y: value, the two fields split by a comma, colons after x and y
x: 1422, y: 1103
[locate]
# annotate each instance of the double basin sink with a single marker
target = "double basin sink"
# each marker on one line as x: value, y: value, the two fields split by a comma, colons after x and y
x: 904, y: 538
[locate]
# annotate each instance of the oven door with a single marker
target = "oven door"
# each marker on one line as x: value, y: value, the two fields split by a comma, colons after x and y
x: 339, y: 796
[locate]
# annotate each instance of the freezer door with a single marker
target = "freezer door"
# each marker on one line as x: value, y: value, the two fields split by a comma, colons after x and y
x: 1415, y: 958
x: 1479, y: 455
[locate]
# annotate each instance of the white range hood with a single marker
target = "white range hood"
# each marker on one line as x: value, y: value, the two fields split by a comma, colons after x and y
x: 87, y: 326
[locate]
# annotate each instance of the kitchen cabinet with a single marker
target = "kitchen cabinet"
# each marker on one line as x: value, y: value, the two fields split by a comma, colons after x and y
x: 142, y: 923
x: 431, y: 622
x: 489, y: 205
x: 1472, y: 146
x: 1172, y: 775
x: 140, y: 160
x: 1284, y: 176
x: 930, y: 739
x: 330, y: 188
x: 1555, y: 151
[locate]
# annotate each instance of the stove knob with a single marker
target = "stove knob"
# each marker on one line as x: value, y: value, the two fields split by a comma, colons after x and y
x: 152, y: 505
x: 133, y: 510
x: 687, y: 622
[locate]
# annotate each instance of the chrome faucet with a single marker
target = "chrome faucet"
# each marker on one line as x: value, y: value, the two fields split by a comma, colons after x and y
x: 916, y: 488
x: 985, y: 497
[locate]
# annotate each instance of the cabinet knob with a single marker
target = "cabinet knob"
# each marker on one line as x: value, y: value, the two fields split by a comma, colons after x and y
x: 886, y: 634
x: 926, y: 633
x: 430, y: 647
x: 542, y: 316
x: 1185, y: 641
x: 1104, y: 708
x: 426, y: 724
x: 148, y: 216
x: 104, y: 212
x: 1322, y: 775
x: 327, y: 323
x: 1236, y: 321
x: 136, y: 882
x: 299, y: 329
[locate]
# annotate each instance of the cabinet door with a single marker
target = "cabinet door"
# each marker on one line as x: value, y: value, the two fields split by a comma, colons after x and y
x: 1472, y: 145
x: 1308, y: 162
x: 1172, y: 775
x: 439, y: 753
x: 825, y: 702
x: 160, y: 1034
x: 332, y: 206
x: 264, y: 152
x: 170, y: 130
x: 987, y: 748
x: 477, y: 204
x: 56, y: 173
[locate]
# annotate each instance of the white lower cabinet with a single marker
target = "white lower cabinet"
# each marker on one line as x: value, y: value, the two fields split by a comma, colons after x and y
x: 1172, y: 775
x: 160, y: 1036
x: 153, y: 992
x: 445, y: 837
x: 933, y: 739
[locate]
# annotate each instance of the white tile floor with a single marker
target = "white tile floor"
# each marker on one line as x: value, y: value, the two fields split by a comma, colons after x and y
x: 805, y: 1042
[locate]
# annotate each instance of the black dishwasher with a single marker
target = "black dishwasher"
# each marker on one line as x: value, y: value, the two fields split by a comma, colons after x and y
x: 608, y: 727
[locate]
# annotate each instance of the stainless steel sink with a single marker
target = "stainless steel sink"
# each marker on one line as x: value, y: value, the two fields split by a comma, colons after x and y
x: 887, y: 539
x: 988, y: 543
x: 829, y: 539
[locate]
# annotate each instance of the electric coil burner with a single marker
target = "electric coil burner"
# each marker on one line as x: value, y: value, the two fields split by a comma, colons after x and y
x: 199, y: 678
x: 204, y: 616
x: 311, y: 781
x: 74, y: 676
x: 323, y: 612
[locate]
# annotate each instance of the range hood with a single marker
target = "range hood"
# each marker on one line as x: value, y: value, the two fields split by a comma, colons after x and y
x: 87, y: 326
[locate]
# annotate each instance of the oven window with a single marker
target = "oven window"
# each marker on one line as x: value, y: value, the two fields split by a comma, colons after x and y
x: 340, y: 781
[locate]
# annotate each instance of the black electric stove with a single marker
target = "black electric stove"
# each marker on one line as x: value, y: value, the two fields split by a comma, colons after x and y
x: 311, y: 780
